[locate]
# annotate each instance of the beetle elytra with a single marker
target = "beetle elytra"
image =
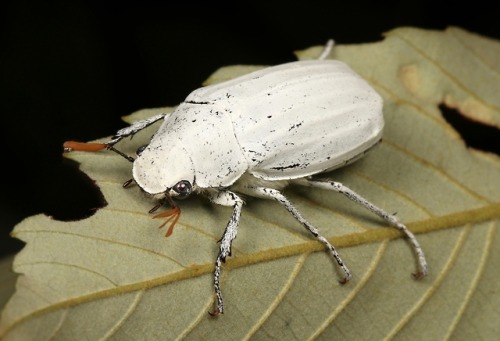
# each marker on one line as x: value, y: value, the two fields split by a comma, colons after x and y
x: 256, y: 134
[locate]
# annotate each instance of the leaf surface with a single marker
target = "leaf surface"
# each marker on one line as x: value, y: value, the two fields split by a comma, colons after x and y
x: 114, y: 275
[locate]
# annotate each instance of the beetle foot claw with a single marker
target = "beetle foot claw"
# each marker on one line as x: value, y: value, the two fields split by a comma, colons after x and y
x: 345, y: 279
x: 215, y: 313
x: 419, y: 275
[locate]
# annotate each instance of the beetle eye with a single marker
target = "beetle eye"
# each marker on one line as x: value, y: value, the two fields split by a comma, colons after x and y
x: 183, y: 188
x: 140, y: 150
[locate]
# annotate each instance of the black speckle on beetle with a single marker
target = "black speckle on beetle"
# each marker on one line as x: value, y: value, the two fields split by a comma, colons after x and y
x: 295, y: 165
x: 194, y: 102
x: 295, y: 126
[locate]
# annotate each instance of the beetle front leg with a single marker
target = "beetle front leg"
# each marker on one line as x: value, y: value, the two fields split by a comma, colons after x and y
x: 134, y: 128
x: 391, y: 219
x: 131, y: 130
x: 225, y: 198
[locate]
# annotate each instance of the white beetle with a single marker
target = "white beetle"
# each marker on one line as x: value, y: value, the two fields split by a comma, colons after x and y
x: 255, y: 135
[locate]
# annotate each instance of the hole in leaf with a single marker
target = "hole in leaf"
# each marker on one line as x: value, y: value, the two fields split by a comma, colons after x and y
x: 476, y: 135
x: 74, y: 196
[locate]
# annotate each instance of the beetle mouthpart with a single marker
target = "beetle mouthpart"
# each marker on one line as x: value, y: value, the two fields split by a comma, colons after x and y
x: 172, y: 216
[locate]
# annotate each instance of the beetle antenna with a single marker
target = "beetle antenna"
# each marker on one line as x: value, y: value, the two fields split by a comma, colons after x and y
x: 170, y: 201
x: 172, y: 215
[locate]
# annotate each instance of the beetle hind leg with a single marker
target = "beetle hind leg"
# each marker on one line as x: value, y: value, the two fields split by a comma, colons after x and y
x: 327, y: 49
x: 390, y: 218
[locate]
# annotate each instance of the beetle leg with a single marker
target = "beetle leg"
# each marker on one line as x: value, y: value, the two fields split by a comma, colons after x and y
x: 327, y: 49
x: 131, y: 130
x: 391, y: 219
x: 225, y: 198
x: 279, y: 197
x: 134, y: 128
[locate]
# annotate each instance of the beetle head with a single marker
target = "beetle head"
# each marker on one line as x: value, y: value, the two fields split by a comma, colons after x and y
x: 164, y: 172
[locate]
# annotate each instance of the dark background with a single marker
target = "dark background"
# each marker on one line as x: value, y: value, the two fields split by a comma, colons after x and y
x: 71, y: 69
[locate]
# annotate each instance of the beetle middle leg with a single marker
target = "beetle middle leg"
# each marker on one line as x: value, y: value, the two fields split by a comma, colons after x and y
x: 271, y: 193
x: 391, y: 219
